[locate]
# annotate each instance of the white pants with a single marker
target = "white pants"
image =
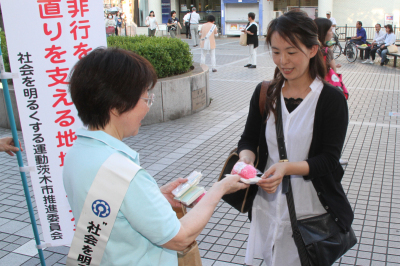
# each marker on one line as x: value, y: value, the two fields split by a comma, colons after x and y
x: 212, y: 54
x: 253, y: 55
x: 194, y: 29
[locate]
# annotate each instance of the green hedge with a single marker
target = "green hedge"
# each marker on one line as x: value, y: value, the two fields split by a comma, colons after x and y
x: 169, y: 56
x: 4, y: 51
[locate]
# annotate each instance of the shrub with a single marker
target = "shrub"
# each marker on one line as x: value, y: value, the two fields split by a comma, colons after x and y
x: 169, y: 56
x: 4, y: 51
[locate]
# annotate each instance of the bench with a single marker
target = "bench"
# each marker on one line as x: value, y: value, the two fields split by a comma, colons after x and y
x: 395, y: 55
x: 362, y: 49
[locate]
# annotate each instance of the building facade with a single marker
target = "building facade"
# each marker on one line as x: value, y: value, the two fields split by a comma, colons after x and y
x: 231, y: 15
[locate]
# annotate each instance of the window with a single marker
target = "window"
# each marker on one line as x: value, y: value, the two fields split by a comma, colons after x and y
x: 143, y: 12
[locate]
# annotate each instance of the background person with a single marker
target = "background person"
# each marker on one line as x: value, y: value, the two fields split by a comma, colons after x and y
x: 7, y: 146
x: 325, y: 34
x: 315, y: 119
x: 332, y: 19
x: 147, y: 230
x: 252, y: 40
x: 110, y: 25
x: 173, y: 24
x: 151, y: 22
x: 187, y: 24
x: 390, y: 38
x: 194, y: 26
x: 377, y: 42
x: 205, y: 29
x: 361, y: 37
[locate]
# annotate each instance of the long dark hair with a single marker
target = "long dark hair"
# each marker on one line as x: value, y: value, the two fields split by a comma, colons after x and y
x: 324, y: 25
x: 295, y: 27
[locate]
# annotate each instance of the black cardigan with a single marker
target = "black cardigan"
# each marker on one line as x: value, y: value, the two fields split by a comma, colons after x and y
x: 329, y: 132
x: 252, y: 39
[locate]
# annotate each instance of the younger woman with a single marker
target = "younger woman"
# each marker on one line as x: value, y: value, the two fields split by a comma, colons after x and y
x: 314, y: 119
x: 390, y: 38
x: 151, y: 22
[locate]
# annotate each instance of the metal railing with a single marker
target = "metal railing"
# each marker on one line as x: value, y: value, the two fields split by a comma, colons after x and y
x: 352, y: 31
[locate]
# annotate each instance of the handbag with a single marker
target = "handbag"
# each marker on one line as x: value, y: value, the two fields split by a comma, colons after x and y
x: 319, y: 240
x: 392, y: 49
x: 336, y: 79
x: 110, y: 30
x: 243, y: 39
x: 242, y: 200
x: 190, y: 256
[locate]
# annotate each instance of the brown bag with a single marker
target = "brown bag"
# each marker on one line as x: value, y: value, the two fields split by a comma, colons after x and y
x: 191, y: 255
x: 243, y: 39
x: 242, y: 200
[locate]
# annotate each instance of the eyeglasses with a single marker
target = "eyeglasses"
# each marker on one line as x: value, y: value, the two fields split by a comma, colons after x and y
x: 149, y: 100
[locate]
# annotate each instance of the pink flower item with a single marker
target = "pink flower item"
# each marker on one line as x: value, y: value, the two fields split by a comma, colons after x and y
x: 245, y: 171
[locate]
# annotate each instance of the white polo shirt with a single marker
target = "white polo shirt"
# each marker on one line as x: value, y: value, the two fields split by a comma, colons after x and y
x: 194, y: 18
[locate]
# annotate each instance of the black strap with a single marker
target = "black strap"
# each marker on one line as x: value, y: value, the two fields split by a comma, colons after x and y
x: 287, y: 188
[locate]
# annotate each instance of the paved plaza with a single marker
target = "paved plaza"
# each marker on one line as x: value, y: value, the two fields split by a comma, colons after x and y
x: 202, y: 142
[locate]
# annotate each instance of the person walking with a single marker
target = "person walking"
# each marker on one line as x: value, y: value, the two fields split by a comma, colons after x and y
x: 151, y: 22
x: 187, y: 24
x: 110, y: 25
x: 314, y: 118
x: 116, y: 16
x: 252, y: 40
x: 390, y: 38
x: 377, y: 42
x: 173, y: 24
x: 194, y: 26
x: 207, y: 41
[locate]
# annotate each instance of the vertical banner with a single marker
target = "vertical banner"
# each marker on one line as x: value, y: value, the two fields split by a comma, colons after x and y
x: 45, y: 38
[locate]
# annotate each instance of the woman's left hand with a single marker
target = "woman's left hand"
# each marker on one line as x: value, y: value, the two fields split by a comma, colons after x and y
x: 272, y: 177
x: 166, y: 190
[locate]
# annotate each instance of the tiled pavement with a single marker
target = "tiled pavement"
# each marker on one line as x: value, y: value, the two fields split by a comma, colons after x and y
x: 202, y: 142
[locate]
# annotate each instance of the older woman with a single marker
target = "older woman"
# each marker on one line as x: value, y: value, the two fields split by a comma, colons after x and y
x: 110, y: 89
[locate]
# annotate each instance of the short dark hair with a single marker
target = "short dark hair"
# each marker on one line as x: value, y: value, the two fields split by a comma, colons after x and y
x: 109, y: 78
x: 193, y: 8
x: 324, y: 25
x: 210, y: 18
x: 173, y: 12
x: 251, y: 15
x: 151, y: 11
x: 378, y: 24
x: 359, y: 22
x: 390, y: 27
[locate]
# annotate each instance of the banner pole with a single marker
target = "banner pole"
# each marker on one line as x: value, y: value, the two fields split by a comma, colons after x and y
x: 20, y: 161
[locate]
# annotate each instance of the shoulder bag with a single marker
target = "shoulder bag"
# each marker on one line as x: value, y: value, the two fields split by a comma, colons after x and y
x: 392, y: 49
x: 243, y: 39
x: 319, y: 240
x: 242, y: 200
x: 191, y: 255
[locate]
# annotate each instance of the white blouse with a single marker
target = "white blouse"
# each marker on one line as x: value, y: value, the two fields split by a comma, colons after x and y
x: 152, y: 22
x: 270, y: 235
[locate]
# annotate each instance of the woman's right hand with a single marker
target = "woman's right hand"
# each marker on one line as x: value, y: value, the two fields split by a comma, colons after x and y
x: 232, y: 184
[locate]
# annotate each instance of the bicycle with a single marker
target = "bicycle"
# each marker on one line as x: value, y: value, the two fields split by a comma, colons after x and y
x: 350, y: 49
